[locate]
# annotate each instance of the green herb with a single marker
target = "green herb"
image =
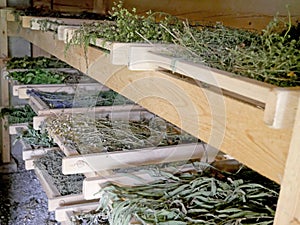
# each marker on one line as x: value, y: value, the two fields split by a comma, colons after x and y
x: 40, y: 76
x: 51, y: 162
x: 35, y: 63
x: 22, y: 114
x: 272, y: 57
x: 189, y: 198
x: 36, y: 138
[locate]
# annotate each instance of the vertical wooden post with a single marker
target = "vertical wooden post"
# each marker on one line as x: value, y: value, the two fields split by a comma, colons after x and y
x: 288, y: 209
x: 4, y: 133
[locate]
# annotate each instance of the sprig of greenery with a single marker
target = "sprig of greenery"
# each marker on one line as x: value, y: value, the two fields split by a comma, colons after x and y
x: 23, y: 114
x: 42, y: 76
x: 272, y: 57
x: 35, y: 63
x: 36, y: 138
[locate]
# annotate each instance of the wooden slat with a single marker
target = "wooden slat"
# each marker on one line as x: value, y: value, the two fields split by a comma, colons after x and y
x: 234, y: 127
x: 55, y: 199
x: 288, y: 209
x: 105, y: 110
x: 4, y: 98
x: 114, y: 160
x: 242, y: 86
x: 5, y: 140
x: 30, y: 153
x: 15, y: 128
x: 61, y: 212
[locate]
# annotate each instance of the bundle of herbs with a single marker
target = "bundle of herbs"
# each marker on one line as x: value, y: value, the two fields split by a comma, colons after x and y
x: 80, y: 98
x: 192, y: 198
x: 36, y: 138
x: 271, y: 56
x: 35, y: 63
x: 88, y: 135
x: 51, y: 163
x: 23, y: 114
x: 42, y: 76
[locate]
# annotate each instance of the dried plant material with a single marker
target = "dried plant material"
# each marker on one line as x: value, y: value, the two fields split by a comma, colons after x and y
x: 51, y: 163
x: 193, y: 198
x: 88, y: 135
x: 80, y: 98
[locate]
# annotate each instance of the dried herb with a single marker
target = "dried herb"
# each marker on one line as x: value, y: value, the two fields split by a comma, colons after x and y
x: 88, y: 135
x: 80, y: 99
x: 191, y: 198
x: 22, y: 114
x: 51, y: 162
x: 272, y: 56
x: 35, y: 63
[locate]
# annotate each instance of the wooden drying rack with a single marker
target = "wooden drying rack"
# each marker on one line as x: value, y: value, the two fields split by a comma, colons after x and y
x: 253, y: 122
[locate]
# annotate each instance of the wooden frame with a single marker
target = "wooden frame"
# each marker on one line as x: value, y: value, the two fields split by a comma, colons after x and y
x: 63, y: 214
x: 20, y: 90
x: 242, y: 130
x: 55, y: 199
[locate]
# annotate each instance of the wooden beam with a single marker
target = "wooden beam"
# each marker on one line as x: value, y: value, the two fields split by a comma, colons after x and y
x: 288, y: 209
x: 228, y: 124
x: 123, y: 159
x: 4, y: 88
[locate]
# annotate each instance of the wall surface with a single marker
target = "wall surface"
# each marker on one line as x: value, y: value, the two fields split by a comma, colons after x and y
x: 251, y: 14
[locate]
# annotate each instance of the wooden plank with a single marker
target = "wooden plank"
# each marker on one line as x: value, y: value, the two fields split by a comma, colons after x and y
x: 4, y: 89
x: 242, y: 86
x: 56, y: 22
x: 30, y: 153
x: 55, y: 199
x: 15, y: 128
x: 21, y: 90
x: 279, y: 102
x: 115, y: 160
x: 233, y: 126
x: 5, y: 141
x: 61, y: 212
x: 36, y: 52
x: 281, y: 107
x: 288, y: 208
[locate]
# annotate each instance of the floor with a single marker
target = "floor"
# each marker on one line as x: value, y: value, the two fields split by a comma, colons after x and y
x: 22, y: 200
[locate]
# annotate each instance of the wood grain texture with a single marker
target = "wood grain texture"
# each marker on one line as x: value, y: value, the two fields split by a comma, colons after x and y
x: 288, y: 209
x: 4, y: 88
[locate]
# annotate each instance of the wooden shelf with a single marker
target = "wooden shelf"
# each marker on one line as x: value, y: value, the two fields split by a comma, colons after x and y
x: 232, y: 124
